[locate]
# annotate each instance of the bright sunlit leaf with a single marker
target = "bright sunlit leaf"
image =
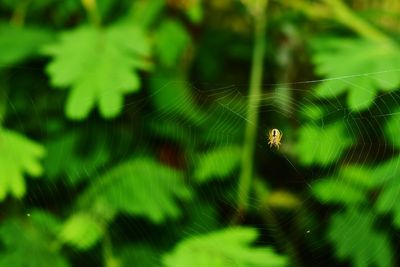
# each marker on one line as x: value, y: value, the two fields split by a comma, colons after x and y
x: 100, y: 66
x: 356, y: 66
x: 231, y: 247
x: 81, y: 230
x: 351, y: 230
x: 18, y: 156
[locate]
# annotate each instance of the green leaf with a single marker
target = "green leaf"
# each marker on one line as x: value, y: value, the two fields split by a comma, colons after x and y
x: 100, y: 66
x: 358, y: 175
x: 141, y: 187
x: 388, y: 201
x: 354, y: 237
x: 322, y: 146
x: 369, y: 67
x: 171, y: 40
x: 195, y: 12
x: 312, y: 112
x: 337, y: 191
x: 392, y: 127
x: 217, y: 163
x: 386, y: 171
x: 81, y: 230
x: 139, y: 255
x: 18, y: 156
x: 229, y: 247
x: 30, y: 242
x: 171, y: 129
x: 64, y: 157
x: 19, y: 43
x: 144, y: 12
x: 172, y: 94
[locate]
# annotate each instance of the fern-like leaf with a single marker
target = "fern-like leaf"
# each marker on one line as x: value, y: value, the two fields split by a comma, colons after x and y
x: 353, y: 234
x: 141, y: 187
x: 229, y: 247
x: 370, y: 67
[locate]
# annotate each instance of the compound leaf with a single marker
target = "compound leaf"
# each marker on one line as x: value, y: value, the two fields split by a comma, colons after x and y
x: 141, y: 187
x: 18, y: 155
x: 351, y: 230
x: 100, y: 66
x: 322, y: 146
x: 370, y: 67
x: 229, y: 247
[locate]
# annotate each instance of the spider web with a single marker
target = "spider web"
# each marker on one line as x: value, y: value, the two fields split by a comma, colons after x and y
x: 282, y: 168
x: 218, y: 120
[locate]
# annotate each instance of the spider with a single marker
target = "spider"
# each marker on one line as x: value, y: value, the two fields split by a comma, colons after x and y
x: 275, y: 137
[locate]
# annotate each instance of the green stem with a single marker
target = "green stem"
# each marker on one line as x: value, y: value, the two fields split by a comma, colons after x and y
x: 108, y: 255
x: 346, y: 16
x: 3, y: 96
x: 18, y: 17
x: 246, y: 174
x: 91, y: 9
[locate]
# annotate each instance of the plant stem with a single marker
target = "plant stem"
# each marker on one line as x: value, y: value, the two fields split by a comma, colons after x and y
x: 337, y: 10
x: 3, y: 96
x: 108, y: 255
x: 91, y: 9
x: 246, y: 174
x: 18, y: 17
x: 346, y: 16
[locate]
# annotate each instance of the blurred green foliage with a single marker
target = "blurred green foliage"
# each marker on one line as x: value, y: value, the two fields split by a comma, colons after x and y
x: 142, y: 151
